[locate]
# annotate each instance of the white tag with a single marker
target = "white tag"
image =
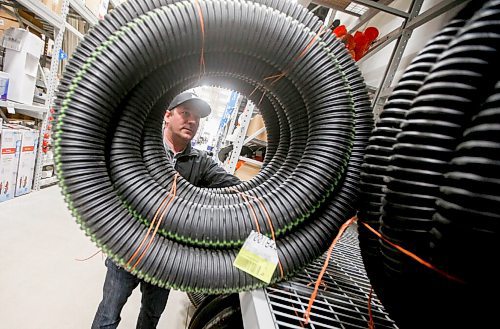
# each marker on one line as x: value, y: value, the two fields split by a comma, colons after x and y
x: 10, y: 108
x: 258, y: 257
x: 261, y: 245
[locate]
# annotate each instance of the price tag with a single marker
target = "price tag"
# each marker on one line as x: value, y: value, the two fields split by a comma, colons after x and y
x: 258, y: 257
x: 10, y: 108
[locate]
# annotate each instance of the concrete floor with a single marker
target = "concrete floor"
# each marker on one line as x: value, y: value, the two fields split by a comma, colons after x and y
x: 42, y: 285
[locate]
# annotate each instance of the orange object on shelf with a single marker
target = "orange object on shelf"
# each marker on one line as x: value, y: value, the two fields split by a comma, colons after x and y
x: 239, y: 164
x: 358, y: 44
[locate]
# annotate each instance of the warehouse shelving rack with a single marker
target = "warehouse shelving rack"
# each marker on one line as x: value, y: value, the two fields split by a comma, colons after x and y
x: 54, y: 26
x: 401, y: 35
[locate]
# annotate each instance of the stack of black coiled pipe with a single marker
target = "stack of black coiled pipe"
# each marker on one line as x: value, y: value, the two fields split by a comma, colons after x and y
x: 109, y: 150
x: 417, y: 188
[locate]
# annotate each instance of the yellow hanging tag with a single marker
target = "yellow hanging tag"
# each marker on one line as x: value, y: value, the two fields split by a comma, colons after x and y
x: 258, y: 257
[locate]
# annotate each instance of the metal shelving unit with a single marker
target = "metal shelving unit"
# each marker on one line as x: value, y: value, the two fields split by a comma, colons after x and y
x: 411, y: 20
x: 44, y: 12
x: 79, y: 7
x: 401, y: 35
x: 54, y: 25
x: 342, y: 300
x: 36, y: 111
x: 244, y: 121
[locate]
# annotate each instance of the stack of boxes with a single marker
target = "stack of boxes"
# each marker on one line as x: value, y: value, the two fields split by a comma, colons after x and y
x: 54, y: 5
x: 7, y: 20
x: 22, y: 52
x: 18, y: 147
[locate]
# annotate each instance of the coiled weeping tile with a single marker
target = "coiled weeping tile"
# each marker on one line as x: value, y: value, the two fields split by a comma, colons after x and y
x: 109, y: 150
x: 428, y: 183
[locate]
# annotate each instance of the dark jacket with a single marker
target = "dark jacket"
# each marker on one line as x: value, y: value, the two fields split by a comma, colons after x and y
x: 200, y: 169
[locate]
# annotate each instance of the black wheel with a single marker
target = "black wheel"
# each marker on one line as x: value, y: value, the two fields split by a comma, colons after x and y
x: 218, y: 309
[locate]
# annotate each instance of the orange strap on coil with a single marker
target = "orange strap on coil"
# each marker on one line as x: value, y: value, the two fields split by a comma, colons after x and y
x: 307, y: 313
x: 277, y: 77
x: 261, y: 204
x: 160, y: 212
x: 371, y: 324
x: 413, y: 256
x: 160, y: 219
x: 202, y: 24
x: 253, y: 213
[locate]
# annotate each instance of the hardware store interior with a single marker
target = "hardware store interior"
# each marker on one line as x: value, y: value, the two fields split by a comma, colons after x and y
x: 249, y: 163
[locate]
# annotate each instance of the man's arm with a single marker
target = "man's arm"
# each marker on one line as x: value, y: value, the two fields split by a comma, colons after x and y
x: 215, y: 176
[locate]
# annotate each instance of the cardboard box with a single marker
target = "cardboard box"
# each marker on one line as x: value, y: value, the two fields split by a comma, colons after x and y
x: 6, y: 22
x: 247, y: 171
x: 255, y: 124
x: 22, y: 52
x: 54, y: 5
x: 10, y: 147
x: 27, y: 160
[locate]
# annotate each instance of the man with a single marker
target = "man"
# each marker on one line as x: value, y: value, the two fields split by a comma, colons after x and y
x: 181, y: 120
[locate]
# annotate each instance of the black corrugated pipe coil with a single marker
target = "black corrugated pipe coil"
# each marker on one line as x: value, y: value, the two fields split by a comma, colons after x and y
x: 109, y: 151
x: 430, y: 180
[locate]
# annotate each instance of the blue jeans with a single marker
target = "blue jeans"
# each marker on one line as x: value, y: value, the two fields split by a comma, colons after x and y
x: 118, y: 286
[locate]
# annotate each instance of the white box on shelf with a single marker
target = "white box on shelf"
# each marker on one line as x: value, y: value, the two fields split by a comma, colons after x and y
x: 98, y: 7
x: 27, y: 159
x: 22, y: 53
x: 10, y: 146
x: 4, y: 85
x: 103, y: 9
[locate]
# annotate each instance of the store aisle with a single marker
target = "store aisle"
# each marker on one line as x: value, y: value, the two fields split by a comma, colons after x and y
x: 42, y: 286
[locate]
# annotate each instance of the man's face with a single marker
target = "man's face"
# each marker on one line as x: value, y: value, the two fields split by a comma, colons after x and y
x: 182, y: 122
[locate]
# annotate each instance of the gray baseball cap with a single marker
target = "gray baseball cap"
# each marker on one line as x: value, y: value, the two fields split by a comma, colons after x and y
x: 189, y: 96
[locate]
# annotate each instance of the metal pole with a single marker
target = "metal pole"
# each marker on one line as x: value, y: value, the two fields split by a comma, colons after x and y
x: 244, y: 121
x: 52, y: 84
x: 395, y: 60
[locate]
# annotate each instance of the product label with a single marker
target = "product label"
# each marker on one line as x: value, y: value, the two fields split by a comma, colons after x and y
x: 28, y: 148
x: 258, y: 257
x: 10, y: 150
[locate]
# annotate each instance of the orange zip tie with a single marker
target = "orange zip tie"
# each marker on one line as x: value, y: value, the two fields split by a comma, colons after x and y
x: 323, y: 283
x: 261, y: 98
x: 276, y: 77
x: 202, y: 23
x: 255, y: 89
x: 149, y: 229
x: 279, y: 76
x: 413, y: 256
x: 152, y: 224
x: 93, y: 255
x: 309, y: 45
x: 174, y: 188
x: 297, y: 314
x: 272, y: 231
x: 253, y: 213
x: 371, y: 324
x: 244, y: 195
x: 307, y: 314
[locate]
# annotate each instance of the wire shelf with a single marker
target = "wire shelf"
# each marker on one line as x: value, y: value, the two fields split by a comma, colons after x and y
x: 342, y: 300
